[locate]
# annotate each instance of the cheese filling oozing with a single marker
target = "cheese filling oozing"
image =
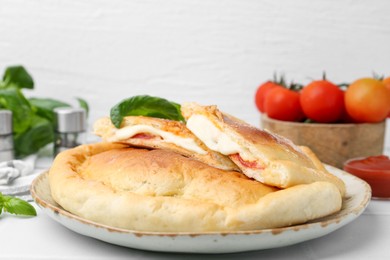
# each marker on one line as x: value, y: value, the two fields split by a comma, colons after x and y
x: 132, y: 131
x: 215, y: 139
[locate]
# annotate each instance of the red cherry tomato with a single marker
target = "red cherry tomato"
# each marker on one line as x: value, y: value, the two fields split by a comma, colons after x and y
x: 283, y: 104
x: 262, y: 92
x: 322, y: 101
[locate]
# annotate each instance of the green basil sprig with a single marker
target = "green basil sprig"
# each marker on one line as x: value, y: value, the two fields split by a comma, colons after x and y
x: 16, y: 206
x: 18, y: 76
x: 145, y: 105
x: 33, y: 118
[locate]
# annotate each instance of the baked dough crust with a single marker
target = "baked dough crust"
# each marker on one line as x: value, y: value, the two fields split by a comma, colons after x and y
x: 159, y: 190
x: 283, y: 164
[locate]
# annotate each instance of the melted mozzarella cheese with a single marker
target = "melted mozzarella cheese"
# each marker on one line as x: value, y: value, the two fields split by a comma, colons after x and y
x: 215, y: 139
x: 211, y: 136
x: 130, y: 131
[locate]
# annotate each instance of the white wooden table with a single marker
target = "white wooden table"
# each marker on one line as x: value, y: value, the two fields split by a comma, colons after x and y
x: 367, y: 237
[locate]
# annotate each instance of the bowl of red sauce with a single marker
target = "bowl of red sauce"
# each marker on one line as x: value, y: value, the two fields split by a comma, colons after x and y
x: 375, y: 170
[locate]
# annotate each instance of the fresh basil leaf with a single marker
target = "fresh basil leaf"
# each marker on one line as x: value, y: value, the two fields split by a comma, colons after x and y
x: 45, y: 107
x: 12, y: 98
x: 33, y: 119
x: 18, y: 206
x: 19, y: 76
x: 37, y: 136
x: 1, y: 203
x: 145, y: 106
x: 83, y: 104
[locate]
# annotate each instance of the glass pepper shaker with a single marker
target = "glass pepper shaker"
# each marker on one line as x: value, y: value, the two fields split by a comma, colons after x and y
x: 70, y: 127
x: 6, y: 136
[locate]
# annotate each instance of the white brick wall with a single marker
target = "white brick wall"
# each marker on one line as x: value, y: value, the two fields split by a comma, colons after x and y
x: 213, y: 52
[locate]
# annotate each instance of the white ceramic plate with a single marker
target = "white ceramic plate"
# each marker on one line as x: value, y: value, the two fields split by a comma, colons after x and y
x: 357, y: 198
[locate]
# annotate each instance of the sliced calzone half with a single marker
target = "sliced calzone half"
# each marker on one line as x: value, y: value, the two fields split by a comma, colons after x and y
x: 266, y: 157
x: 156, y: 133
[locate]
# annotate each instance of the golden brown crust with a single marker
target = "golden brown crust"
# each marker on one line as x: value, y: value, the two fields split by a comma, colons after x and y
x: 175, y: 127
x: 105, y: 129
x: 283, y: 164
x: 274, y: 147
x: 158, y: 190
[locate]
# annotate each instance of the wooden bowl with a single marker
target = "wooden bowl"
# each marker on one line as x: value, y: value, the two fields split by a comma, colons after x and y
x: 332, y: 143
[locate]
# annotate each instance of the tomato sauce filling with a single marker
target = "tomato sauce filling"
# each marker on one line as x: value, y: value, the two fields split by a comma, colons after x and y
x: 375, y: 170
x: 247, y: 164
x: 144, y: 136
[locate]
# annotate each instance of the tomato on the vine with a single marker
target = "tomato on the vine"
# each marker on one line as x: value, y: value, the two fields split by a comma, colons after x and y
x: 386, y: 81
x: 367, y: 100
x: 283, y: 104
x: 262, y: 92
x: 322, y: 101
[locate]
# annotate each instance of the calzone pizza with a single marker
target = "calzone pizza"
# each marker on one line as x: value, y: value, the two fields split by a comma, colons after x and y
x: 213, y: 172
x: 160, y: 190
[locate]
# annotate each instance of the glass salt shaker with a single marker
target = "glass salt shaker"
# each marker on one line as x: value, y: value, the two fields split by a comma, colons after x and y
x: 6, y: 136
x: 70, y: 127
